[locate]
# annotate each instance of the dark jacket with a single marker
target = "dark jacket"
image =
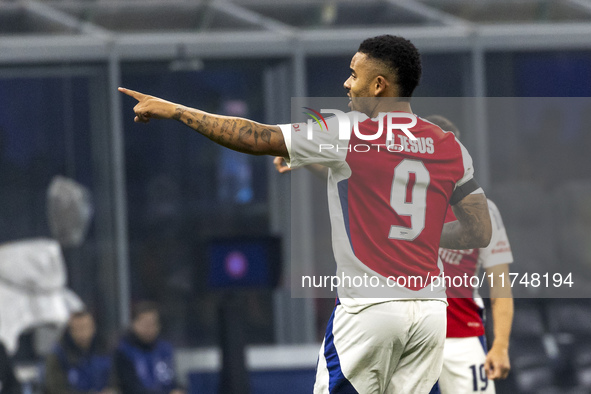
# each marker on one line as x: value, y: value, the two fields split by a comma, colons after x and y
x: 8, y: 382
x: 145, y: 368
x: 71, y: 370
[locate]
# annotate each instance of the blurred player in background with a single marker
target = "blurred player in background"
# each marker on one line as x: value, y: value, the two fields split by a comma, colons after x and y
x: 76, y: 365
x: 383, y: 344
x: 144, y: 362
x: 467, y: 367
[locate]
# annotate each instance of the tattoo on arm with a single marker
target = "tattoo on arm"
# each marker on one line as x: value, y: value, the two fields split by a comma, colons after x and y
x: 225, y: 126
x: 192, y: 118
x: 235, y: 133
x: 202, y: 124
x: 178, y: 112
x: 472, y: 227
x: 472, y: 214
x: 266, y: 136
x: 244, y: 133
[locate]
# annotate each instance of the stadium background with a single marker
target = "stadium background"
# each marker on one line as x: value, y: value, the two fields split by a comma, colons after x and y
x: 161, y: 192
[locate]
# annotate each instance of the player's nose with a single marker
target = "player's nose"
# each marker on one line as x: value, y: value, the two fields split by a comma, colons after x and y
x: 347, y: 84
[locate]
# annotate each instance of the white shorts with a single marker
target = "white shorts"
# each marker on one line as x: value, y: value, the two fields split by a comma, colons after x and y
x: 463, y: 367
x: 392, y: 347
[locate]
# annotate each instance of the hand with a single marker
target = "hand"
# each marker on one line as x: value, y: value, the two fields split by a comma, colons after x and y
x: 497, y: 365
x: 280, y: 165
x: 150, y: 107
x: 178, y: 391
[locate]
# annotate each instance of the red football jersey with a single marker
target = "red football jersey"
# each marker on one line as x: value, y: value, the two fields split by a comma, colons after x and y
x: 396, y: 202
x: 387, y: 202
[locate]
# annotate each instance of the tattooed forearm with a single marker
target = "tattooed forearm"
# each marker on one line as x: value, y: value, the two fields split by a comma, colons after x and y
x: 178, y: 112
x: 225, y: 126
x: 192, y: 118
x: 472, y: 229
x: 235, y: 133
x: 244, y: 133
x: 455, y: 236
x: 201, y: 128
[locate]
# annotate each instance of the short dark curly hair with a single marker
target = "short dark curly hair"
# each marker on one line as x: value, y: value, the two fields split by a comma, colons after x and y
x: 400, y: 56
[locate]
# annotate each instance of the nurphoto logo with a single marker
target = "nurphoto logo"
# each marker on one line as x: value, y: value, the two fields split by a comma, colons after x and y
x: 344, y: 124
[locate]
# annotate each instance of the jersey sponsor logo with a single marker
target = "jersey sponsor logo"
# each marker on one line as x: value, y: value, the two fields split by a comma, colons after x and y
x: 453, y: 257
x: 501, y: 250
x: 501, y: 247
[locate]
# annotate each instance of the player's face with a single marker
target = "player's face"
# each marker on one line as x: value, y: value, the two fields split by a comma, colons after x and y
x: 146, y: 326
x: 359, y: 82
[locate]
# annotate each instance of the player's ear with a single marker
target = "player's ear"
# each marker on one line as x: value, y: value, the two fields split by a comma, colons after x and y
x: 380, y: 85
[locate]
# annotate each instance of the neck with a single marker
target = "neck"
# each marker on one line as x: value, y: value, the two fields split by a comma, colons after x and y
x: 390, y: 105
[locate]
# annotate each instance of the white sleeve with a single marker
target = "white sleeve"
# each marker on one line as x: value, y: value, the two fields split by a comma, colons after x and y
x: 499, y: 249
x: 320, y: 145
x: 468, y: 165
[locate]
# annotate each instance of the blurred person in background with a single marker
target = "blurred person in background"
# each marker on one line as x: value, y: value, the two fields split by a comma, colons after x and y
x: 76, y: 365
x: 9, y: 384
x: 468, y: 366
x: 143, y: 361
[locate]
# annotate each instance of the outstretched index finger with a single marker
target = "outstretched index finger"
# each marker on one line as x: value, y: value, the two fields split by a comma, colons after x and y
x: 136, y: 95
